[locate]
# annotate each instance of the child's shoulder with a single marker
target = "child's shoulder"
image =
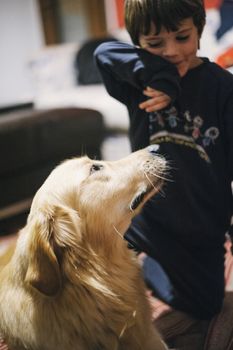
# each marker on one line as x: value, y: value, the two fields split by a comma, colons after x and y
x: 218, y: 74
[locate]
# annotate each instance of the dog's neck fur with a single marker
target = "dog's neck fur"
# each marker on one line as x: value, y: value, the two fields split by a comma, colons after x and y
x: 85, y: 290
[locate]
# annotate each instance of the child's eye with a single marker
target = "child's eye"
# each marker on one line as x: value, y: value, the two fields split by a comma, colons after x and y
x: 182, y: 38
x: 154, y: 44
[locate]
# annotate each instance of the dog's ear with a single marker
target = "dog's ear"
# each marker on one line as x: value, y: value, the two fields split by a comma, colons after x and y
x: 50, y: 234
x: 43, y: 271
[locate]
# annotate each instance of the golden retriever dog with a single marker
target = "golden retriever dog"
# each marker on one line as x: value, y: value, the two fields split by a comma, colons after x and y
x: 72, y: 283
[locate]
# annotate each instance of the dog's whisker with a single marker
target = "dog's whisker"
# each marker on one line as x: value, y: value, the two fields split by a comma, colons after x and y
x: 162, y: 193
x: 146, y: 175
x: 161, y: 177
x: 118, y: 232
x: 157, y: 173
x: 158, y: 189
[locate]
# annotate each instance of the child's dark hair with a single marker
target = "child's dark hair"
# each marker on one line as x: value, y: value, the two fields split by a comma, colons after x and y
x: 139, y: 14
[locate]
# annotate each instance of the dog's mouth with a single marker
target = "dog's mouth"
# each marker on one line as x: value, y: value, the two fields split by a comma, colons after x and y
x: 137, y: 200
x: 154, y: 172
x: 143, y: 196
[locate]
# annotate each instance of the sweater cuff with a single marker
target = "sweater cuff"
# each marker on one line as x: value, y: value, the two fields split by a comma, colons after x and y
x: 172, y: 89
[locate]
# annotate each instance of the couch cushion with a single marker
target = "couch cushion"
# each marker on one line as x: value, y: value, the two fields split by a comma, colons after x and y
x: 29, y: 138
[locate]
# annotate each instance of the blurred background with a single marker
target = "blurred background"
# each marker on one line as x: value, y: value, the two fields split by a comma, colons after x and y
x: 27, y: 26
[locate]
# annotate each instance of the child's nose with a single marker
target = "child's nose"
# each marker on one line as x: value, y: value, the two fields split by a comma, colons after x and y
x: 170, y: 50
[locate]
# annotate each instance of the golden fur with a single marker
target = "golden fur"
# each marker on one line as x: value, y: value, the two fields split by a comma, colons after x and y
x: 72, y: 283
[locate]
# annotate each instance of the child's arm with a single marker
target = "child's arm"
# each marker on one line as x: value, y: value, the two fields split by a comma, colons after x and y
x: 124, y: 67
x: 229, y: 148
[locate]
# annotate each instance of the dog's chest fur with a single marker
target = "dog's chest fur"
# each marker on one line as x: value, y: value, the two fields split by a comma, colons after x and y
x: 89, y: 313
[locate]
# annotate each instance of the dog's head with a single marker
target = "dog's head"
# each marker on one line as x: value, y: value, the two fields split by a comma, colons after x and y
x: 82, y: 204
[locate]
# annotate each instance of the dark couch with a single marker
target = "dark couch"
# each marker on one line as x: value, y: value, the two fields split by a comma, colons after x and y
x: 32, y: 142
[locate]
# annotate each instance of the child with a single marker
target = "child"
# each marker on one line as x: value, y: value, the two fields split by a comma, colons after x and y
x: 184, y: 103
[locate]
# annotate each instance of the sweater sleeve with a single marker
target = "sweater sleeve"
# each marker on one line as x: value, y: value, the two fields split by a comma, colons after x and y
x: 124, y: 66
x: 229, y: 146
x: 229, y: 128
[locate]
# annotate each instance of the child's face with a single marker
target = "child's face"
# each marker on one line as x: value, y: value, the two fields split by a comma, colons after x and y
x: 179, y: 47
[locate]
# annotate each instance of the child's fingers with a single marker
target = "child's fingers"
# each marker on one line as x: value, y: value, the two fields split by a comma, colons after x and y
x: 148, y: 88
x: 157, y: 101
x: 155, y: 104
x: 150, y: 102
x: 3, y: 346
x: 153, y: 93
x: 157, y: 107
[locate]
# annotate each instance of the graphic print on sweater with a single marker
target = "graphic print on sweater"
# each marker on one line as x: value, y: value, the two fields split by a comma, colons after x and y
x: 168, y: 126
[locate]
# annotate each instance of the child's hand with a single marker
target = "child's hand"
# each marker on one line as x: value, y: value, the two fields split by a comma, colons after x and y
x: 158, y: 307
x: 158, y: 100
x: 3, y: 345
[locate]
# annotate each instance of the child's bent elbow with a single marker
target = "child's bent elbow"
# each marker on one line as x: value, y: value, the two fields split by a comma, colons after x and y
x: 102, y: 49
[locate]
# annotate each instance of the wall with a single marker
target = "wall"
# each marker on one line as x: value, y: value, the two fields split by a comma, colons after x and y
x: 20, y: 36
x: 114, y: 14
x: 73, y: 26
x: 80, y: 20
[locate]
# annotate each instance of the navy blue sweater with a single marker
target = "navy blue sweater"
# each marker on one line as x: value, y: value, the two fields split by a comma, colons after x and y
x: 184, y: 229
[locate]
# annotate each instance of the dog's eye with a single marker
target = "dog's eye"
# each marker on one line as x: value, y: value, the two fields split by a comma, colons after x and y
x: 95, y: 167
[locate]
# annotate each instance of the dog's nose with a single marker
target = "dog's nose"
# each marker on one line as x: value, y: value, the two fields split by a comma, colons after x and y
x: 153, y: 149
